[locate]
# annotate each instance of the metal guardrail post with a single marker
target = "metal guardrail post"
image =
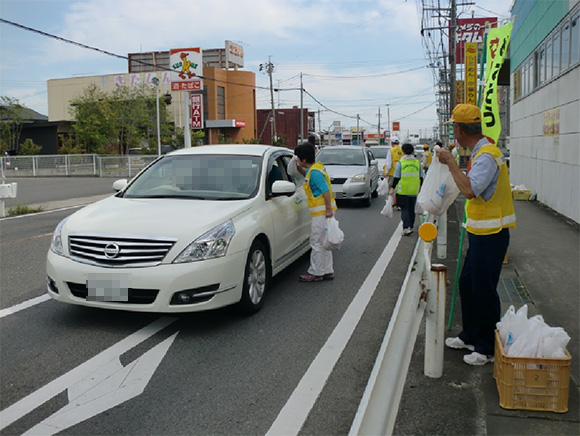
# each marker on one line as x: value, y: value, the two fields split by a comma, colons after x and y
x: 435, y: 321
x: 442, y: 236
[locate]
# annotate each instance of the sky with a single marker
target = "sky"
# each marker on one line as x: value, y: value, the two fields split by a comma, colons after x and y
x: 358, y: 58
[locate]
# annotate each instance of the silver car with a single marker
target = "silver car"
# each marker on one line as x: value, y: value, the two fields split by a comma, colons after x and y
x: 353, y: 171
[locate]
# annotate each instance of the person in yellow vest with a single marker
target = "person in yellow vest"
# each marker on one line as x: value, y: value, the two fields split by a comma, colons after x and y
x: 427, y: 158
x: 407, y: 181
x: 318, y: 189
x: 489, y: 216
x: 454, y: 152
x: 394, y: 155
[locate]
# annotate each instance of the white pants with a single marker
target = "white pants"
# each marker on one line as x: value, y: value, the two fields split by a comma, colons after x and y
x: 320, y: 259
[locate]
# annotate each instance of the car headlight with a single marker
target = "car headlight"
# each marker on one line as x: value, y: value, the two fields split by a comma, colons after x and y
x: 56, y: 243
x: 209, y: 245
x: 359, y: 178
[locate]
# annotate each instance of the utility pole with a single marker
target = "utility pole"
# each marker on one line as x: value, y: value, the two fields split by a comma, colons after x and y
x: 452, y: 59
x: 389, y: 122
x: 301, y: 111
x: 269, y: 68
x: 357, y: 129
x: 379, y: 126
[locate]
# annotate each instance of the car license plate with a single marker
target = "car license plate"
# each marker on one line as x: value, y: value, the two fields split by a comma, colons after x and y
x: 108, y: 287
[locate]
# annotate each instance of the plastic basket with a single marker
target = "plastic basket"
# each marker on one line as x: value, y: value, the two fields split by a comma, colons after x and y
x: 529, y: 383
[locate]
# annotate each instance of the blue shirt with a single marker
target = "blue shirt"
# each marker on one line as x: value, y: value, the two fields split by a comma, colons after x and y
x: 484, y: 172
x: 317, y: 182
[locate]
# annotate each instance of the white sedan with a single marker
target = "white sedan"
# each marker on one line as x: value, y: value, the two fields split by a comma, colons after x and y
x: 198, y: 229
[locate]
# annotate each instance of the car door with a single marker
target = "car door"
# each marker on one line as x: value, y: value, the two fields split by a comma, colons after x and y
x: 289, y: 213
x: 373, y: 170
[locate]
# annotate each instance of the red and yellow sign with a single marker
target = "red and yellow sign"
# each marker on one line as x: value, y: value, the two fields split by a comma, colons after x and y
x: 196, y: 111
x: 396, y: 126
x: 551, y: 125
x: 187, y: 69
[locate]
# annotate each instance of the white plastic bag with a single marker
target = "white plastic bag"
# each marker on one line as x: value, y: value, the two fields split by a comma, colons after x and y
x: 527, y: 343
x: 512, y: 325
x: 553, y: 342
x: 388, y: 209
x: 383, y: 187
x: 333, y: 237
x: 438, y: 191
x: 292, y: 166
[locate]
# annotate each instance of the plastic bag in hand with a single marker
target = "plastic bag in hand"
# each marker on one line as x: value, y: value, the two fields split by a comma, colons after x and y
x: 388, y: 209
x: 438, y: 190
x: 333, y: 237
x: 383, y: 187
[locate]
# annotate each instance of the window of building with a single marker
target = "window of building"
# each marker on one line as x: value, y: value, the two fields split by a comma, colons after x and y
x: 565, y: 45
x: 549, y: 58
x: 556, y: 64
x: 541, y: 64
x: 574, y: 37
x: 221, y: 103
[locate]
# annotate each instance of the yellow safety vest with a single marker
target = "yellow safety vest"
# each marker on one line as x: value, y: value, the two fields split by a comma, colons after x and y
x: 317, y: 205
x: 490, y: 217
x: 429, y: 158
x: 396, y: 155
x: 410, y: 177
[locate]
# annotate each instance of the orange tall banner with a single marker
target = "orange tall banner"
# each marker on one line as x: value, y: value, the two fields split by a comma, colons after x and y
x: 471, y: 73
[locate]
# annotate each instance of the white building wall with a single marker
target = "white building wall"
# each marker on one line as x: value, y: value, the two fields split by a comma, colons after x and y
x: 549, y: 165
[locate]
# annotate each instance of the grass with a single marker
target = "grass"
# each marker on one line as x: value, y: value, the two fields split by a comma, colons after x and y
x: 23, y: 210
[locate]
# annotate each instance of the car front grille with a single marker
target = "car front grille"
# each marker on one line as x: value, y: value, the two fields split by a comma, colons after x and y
x: 338, y: 181
x: 136, y: 296
x: 119, y: 251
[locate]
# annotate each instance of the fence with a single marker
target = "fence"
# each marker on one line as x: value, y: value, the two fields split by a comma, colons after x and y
x: 422, y: 293
x: 91, y: 165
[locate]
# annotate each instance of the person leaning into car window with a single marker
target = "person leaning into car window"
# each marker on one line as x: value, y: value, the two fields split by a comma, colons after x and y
x: 321, y: 203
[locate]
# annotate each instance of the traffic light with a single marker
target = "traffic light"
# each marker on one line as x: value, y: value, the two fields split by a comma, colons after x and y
x: 167, y: 98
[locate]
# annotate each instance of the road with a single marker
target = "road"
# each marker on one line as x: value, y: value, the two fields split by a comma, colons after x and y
x: 293, y: 364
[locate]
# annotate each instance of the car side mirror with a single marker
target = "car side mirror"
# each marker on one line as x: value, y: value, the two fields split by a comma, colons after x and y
x: 283, y: 187
x: 119, y: 185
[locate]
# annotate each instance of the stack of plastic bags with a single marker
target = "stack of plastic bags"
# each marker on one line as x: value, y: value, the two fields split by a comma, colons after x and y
x: 523, y: 337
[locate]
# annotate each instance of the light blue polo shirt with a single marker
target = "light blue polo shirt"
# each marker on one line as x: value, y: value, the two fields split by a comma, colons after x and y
x: 484, y: 172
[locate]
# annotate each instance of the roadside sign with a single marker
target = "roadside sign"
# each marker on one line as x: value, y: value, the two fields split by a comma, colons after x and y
x: 187, y: 69
x: 196, y: 111
x: 396, y: 126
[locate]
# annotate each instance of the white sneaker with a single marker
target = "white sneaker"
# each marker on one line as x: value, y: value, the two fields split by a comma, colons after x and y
x: 458, y: 344
x: 476, y: 358
x: 407, y: 232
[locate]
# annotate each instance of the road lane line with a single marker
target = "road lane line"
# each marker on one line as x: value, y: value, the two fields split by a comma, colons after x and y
x: 294, y: 413
x: 26, y: 239
x: 47, y: 392
x: 25, y: 305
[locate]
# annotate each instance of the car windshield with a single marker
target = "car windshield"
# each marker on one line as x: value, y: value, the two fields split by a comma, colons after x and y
x: 379, y: 153
x: 199, y: 176
x: 330, y: 156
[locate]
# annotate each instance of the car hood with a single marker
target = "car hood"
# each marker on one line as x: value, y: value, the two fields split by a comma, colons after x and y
x: 345, y: 170
x: 158, y: 217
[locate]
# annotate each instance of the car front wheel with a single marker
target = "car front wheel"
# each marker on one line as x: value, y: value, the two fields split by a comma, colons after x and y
x: 256, y: 279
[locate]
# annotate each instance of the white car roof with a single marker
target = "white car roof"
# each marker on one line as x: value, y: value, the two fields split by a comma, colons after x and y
x: 244, y: 149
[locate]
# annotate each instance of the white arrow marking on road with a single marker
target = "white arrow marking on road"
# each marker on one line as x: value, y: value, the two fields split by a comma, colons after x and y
x: 108, y: 387
x: 91, y: 366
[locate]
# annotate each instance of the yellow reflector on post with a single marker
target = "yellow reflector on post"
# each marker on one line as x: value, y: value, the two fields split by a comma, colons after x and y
x: 427, y: 232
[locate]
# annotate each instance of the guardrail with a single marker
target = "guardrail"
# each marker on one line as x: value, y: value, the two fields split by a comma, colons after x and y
x: 92, y: 165
x: 422, y: 293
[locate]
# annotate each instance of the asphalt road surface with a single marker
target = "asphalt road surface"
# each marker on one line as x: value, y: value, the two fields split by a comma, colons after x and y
x: 299, y: 366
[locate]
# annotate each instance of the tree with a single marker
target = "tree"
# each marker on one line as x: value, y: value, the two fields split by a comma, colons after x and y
x: 29, y: 148
x: 12, y: 117
x: 123, y: 119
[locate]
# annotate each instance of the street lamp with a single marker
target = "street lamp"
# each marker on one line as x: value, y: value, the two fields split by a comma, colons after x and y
x: 155, y: 81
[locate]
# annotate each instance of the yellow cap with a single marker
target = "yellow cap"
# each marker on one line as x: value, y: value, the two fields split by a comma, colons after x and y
x: 427, y: 232
x: 466, y: 114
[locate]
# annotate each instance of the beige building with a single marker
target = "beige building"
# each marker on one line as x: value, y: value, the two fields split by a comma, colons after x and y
x: 229, y: 103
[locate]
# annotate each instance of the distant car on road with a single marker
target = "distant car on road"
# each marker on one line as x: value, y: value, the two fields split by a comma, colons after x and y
x: 380, y: 154
x: 198, y: 229
x: 353, y: 172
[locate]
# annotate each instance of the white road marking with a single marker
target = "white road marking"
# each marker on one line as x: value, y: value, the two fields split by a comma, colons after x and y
x: 294, y: 413
x: 76, y: 375
x: 104, y: 389
x: 25, y: 305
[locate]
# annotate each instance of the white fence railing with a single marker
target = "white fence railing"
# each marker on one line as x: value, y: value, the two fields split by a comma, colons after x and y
x: 74, y: 165
x: 422, y: 293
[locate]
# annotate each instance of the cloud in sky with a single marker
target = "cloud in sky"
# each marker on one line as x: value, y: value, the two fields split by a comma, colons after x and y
x: 364, y: 40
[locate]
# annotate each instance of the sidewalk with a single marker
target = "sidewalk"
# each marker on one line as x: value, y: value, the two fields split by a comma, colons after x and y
x: 543, y: 271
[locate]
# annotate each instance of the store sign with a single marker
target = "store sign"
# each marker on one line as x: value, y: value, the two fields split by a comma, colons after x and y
x: 396, y: 126
x: 470, y: 30
x: 187, y: 69
x: 196, y: 111
x: 471, y: 73
x: 234, y: 54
